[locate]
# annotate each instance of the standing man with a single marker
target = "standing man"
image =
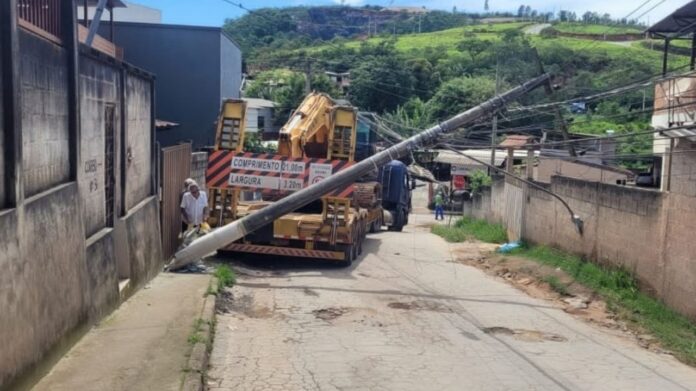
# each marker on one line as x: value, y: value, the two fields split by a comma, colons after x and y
x: 439, y: 206
x: 188, y: 182
x: 194, y: 206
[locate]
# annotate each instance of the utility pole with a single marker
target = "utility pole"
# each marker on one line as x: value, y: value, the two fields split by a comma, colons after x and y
x: 560, y: 121
x: 494, y: 127
x: 308, y: 77
x: 369, y: 27
x: 419, y: 22
x: 252, y: 222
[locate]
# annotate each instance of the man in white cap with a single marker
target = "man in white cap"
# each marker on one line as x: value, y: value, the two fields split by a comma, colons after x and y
x: 194, y: 206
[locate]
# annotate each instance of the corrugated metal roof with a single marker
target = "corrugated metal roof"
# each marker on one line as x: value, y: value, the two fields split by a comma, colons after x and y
x: 257, y: 103
x: 516, y: 141
x: 681, y: 133
x: 449, y: 157
x: 679, y: 23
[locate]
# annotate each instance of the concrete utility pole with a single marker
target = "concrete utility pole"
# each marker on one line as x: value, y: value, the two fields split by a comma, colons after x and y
x: 494, y: 127
x: 308, y: 77
x: 250, y: 223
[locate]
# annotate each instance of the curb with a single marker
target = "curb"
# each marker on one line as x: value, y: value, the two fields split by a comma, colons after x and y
x: 195, y: 370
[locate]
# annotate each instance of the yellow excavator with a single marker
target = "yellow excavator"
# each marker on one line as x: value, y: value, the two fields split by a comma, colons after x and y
x: 318, y: 141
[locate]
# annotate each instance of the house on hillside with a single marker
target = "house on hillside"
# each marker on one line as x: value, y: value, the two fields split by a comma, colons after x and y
x: 260, y: 118
x: 340, y: 79
x: 196, y: 67
x: 77, y: 181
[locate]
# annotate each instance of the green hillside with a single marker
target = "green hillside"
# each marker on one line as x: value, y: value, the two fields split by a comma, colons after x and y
x: 415, y: 80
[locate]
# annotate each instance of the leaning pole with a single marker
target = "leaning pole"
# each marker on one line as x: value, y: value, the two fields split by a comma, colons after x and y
x: 250, y: 223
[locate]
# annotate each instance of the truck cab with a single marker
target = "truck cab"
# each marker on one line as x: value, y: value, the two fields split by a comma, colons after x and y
x: 396, y: 193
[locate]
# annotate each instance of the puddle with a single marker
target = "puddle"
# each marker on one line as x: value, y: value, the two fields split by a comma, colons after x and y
x: 330, y: 313
x: 310, y: 292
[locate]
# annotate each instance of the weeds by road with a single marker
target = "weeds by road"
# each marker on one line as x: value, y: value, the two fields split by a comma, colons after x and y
x: 467, y: 228
x: 615, y: 286
x: 225, y: 276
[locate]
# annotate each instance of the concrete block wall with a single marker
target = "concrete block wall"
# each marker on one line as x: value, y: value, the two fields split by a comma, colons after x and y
x: 3, y: 188
x: 99, y: 86
x: 139, y: 140
x: 60, y: 262
x: 44, y: 83
x: 647, y: 232
x: 679, y: 254
x: 43, y: 296
x: 684, y: 169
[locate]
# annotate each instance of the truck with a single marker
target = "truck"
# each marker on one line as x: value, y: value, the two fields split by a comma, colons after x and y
x: 319, y: 140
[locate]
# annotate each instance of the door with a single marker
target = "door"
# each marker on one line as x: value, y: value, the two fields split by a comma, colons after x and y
x: 176, y: 167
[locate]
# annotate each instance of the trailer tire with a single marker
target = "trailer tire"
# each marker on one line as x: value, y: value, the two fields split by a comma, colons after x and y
x: 398, y: 222
x: 349, y: 252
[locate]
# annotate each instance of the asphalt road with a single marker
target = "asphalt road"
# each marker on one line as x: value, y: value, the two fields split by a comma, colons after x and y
x: 406, y: 317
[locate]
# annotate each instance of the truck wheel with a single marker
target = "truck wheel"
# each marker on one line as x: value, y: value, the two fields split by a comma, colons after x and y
x: 349, y: 255
x: 398, y: 222
x: 376, y: 225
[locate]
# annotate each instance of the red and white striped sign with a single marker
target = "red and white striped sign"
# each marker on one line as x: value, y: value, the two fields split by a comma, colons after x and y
x: 270, y: 172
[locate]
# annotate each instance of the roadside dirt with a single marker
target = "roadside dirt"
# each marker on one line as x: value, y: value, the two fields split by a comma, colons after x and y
x: 532, y: 278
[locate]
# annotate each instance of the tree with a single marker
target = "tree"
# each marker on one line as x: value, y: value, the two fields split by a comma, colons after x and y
x: 460, y: 94
x: 473, y: 47
x: 520, y: 11
x: 425, y: 79
x: 380, y: 84
x: 485, y: 5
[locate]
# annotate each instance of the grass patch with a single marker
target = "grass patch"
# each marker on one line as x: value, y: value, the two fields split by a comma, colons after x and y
x: 595, y: 29
x: 620, y: 291
x: 195, y: 338
x: 467, y: 228
x: 225, y: 276
x: 556, y: 285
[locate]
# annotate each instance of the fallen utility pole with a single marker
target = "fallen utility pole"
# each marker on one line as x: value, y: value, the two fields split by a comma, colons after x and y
x: 250, y: 223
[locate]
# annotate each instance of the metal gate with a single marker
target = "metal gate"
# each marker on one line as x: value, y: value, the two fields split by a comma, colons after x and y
x: 176, y: 167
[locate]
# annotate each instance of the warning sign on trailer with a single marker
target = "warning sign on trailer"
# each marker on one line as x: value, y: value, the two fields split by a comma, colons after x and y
x: 270, y: 172
x: 254, y: 181
x: 319, y: 171
x: 267, y: 165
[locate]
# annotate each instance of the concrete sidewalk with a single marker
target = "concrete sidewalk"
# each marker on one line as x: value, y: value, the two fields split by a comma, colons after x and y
x: 143, y: 345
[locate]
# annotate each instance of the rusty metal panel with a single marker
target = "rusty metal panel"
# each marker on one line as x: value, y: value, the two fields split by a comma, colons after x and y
x: 176, y: 167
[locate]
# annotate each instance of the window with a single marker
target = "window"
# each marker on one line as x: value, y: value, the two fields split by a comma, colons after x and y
x: 261, y: 123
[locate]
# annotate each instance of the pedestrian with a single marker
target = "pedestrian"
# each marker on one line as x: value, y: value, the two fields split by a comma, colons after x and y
x: 187, y: 183
x: 194, y: 206
x: 439, y: 206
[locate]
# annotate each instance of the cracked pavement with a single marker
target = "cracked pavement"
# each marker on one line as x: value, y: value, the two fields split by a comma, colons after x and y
x: 405, y: 317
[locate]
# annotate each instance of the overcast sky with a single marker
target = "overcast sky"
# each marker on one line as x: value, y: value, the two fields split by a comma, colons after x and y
x: 214, y: 12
